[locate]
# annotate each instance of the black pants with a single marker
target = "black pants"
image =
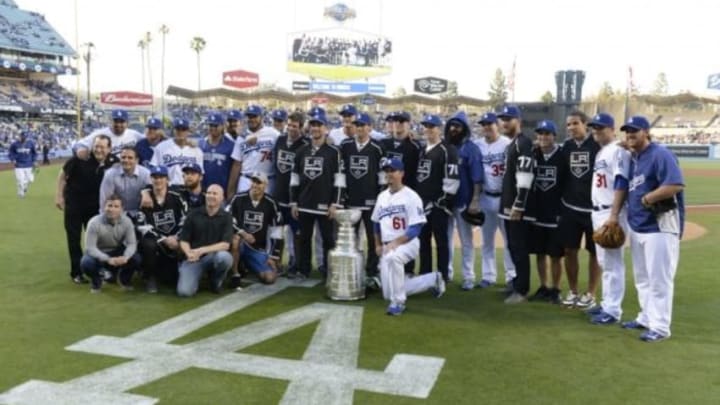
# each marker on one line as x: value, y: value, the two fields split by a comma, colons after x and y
x: 156, y: 263
x: 518, y: 234
x: 437, y: 228
x: 75, y: 221
x: 305, y: 238
x: 371, y: 261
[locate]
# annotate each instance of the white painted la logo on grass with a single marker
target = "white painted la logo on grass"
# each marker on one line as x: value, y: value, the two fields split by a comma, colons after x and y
x: 327, y: 373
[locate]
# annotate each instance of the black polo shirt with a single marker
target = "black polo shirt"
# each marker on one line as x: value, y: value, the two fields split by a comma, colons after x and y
x: 83, y: 178
x: 201, y: 229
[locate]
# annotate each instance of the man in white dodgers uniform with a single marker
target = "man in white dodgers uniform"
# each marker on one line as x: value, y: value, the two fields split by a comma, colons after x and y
x: 398, y: 217
x: 119, y: 133
x: 608, y: 193
x: 177, y: 152
x: 492, y: 147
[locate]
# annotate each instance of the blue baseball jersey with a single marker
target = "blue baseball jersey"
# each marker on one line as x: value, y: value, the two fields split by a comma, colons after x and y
x: 470, y: 165
x: 651, y: 168
x: 217, y: 161
x: 22, y: 154
x: 145, y: 151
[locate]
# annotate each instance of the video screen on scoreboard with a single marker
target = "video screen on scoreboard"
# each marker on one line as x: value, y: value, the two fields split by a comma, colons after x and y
x: 339, y: 54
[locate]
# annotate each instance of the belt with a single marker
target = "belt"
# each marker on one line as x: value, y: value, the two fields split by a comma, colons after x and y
x: 491, y: 194
x: 601, y: 207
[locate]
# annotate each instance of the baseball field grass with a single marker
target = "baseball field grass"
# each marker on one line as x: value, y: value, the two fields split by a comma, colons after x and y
x: 529, y: 354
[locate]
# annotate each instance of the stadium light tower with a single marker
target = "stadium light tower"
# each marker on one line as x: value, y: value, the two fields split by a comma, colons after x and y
x: 87, y: 57
x: 148, y: 40
x: 164, y: 30
x: 142, y: 44
x: 197, y: 44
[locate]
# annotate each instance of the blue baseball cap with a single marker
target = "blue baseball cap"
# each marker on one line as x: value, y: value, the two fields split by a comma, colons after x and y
x: 154, y: 123
x: 637, y: 122
x: 546, y: 126
x: 362, y: 118
x: 602, y: 120
x: 121, y: 115
x: 158, y: 171
x: 393, y: 163
x: 488, y: 118
x: 348, y: 109
x: 215, y: 119
x: 432, y: 119
x: 234, y: 115
x: 509, y: 111
x: 255, y: 110
x: 280, y: 115
x: 321, y: 118
x: 181, y: 123
x: 316, y: 111
x: 192, y: 167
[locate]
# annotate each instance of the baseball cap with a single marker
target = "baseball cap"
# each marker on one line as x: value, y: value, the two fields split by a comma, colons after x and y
x: 432, y: 119
x: 280, y: 115
x: 509, y: 111
x: 636, y: 122
x: 362, y: 118
x: 255, y: 110
x: 402, y: 116
x: 181, y: 123
x: 318, y: 118
x: 602, y: 120
x: 158, y: 171
x: 154, y: 123
x: 546, y: 125
x: 316, y: 111
x: 393, y: 164
x: 121, y: 115
x: 259, y: 176
x: 348, y: 109
x: 192, y: 167
x: 215, y: 119
x: 234, y: 115
x: 488, y: 118
x: 392, y: 116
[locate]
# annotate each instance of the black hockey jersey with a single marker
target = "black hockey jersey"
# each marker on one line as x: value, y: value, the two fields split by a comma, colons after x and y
x: 408, y: 151
x: 193, y: 200
x: 162, y: 219
x: 579, y: 160
x: 550, y: 177
x: 363, y: 174
x: 438, y: 177
x: 318, y: 179
x: 262, y: 220
x: 284, y: 158
x: 518, y: 179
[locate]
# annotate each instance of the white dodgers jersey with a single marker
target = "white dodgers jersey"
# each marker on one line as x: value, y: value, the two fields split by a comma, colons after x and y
x: 337, y: 136
x: 257, y: 157
x: 493, y: 159
x: 611, y: 161
x: 174, y: 157
x: 395, y: 212
x: 128, y: 138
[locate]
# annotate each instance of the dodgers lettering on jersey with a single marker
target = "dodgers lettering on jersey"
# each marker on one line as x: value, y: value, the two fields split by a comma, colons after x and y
x: 257, y: 157
x: 128, y: 138
x: 22, y: 154
x: 396, y: 212
x: 216, y: 161
x: 493, y: 159
x: 174, y: 157
x: 611, y: 161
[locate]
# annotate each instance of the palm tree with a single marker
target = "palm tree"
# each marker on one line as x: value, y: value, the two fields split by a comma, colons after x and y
x: 164, y: 30
x: 142, y: 45
x: 198, y: 44
x: 148, y: 39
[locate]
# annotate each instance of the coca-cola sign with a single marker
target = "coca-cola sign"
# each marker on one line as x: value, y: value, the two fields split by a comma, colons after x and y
x: 241, y: 79
x: 126, y: 98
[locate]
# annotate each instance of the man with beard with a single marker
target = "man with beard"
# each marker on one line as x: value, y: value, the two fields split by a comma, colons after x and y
x: 234, y: 124
x: 517, y: 201
x: 458, y: 134
x: 252, y: 153
x: 279, y: 118
x: 119, y: 133
x: 77, y: 195
x: 153, y: 136
x: 178, y: 152
x: 216, y: 148
x: 347, y: 130
x: 22, y: 154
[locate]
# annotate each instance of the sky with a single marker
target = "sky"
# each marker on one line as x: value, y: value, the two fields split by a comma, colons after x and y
x: 458, y: 40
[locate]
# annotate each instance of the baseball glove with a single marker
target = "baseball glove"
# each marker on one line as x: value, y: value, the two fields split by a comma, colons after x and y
x: 610, y: 236
x: 662, y: 206
x: 477, y: 218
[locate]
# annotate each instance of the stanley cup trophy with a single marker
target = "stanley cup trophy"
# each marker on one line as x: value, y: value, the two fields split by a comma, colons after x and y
x: 346, y: 276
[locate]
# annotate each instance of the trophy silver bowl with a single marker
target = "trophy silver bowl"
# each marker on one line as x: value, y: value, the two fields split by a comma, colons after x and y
x: 346, y: 273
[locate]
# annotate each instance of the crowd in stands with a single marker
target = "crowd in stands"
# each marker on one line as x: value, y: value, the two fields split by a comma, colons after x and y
x: 709, y: 136
x: 28, y: 29
x: 58, y: 134
x: 35, y: 94
x: 342, y: 51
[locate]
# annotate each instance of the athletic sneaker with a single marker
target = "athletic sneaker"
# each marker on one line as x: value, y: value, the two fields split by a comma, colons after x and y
x: 570, y: 299
x: 632, y: 325
x: 595, y: 310
x: 395, y: 309
x: 151, y: 286
x: 541, y: 294
x: 515, y: 298
x: 373, y: 283
x: 603, y: 318
x: 485, y: 284
x: 79, y: 280
x: 235, y: 281
x: 467, y: 285
x: 652, y: 336
x: 554, y: 296
x: 439, y: 288
x: 585, y: 301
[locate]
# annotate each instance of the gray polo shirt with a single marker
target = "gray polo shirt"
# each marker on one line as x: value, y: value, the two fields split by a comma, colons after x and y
x: 127, y: 186
x: 103, y: 237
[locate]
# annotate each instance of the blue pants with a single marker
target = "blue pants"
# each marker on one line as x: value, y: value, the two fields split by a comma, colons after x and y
x: 253, y: 259
x: 217, y: 264
x: 92, y: 266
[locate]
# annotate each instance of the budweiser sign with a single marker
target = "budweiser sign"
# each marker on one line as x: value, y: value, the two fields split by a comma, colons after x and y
x: 241, y: 79
x: 126, y: 98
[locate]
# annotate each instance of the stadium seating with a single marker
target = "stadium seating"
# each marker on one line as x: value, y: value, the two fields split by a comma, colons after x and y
x: 28, y: 30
